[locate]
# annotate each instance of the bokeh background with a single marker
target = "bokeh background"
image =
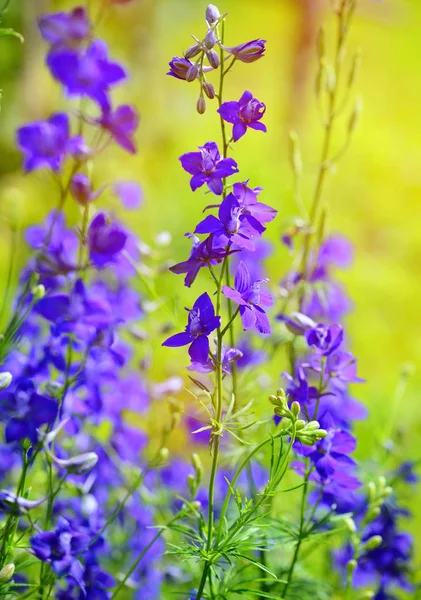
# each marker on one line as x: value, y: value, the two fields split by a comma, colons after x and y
x: 374, y: 198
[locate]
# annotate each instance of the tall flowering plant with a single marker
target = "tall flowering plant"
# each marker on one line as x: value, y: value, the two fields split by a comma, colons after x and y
x: 91, y: 507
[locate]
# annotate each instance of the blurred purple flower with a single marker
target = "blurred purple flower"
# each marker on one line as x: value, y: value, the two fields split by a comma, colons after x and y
x: 129, y: 193
x: 89, y: 73
x: 65, y: 30
x: 105, y: 240
x: 122, y: 124
x: 44, y: 143
x: 202, y: 255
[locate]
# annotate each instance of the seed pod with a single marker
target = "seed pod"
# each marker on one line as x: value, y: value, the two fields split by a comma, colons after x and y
x: 209, y: 90
x: 295, y: 408
x: 7, y: 572
x: 213, y: 58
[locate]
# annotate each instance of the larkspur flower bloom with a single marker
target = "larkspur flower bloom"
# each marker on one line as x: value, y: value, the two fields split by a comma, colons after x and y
x: 202, y: 255
x: 251, y: 300
x: 248, y: 52
x: 44, y: 143
x: 201, y: 322
x: 105, y: 240
x: 325, y: 338
x: 232, y: 226
x: 248, y: 201
x: 207, y: 166
x: 245, y: 113
x: 25, y: 410
x: 89, y: 73
x: 65, y: 30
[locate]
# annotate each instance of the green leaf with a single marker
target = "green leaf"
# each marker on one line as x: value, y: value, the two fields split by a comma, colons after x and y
x: 8, y: 31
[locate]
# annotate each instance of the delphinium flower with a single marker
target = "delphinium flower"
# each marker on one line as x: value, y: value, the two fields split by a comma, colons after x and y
x: 45, y: 143
x: 201, y: 322
x: 207, y: 166
x: 247, y: 112
x: 251, y: 300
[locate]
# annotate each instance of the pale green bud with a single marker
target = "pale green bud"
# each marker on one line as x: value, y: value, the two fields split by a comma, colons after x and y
x: 312, y: 426
x: 163, y: 455
x: 295, y: 408
x: 191, y: 482
x: 373, y: 513
x: 5, y: 380
x: 7, y: 572
x: 367, y: 595
x: 38, y: 292
x: 350, y: 524
x: 372, y: 492
x: 197, y: 464
x: 373, y: 543
x: 273, y: 400
x: 299, y: 425
x: 351, y: 566
x: 321, y: 433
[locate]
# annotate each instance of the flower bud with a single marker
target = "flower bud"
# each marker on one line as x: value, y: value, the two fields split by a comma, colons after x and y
x: 355, y: 115
x: 192, y: 73
x: 273, y: 400
x: 351, y: 565
x: 350, y: 524
x: 7, y: 572
x: 373, y: 543
x: 201, y: 105
x: 367, y: 595
x: 17, y: 505
x: 79, y: 464
x: 299, y: 425
x: 163, y: 455
x: 212, y: 14
x: 295, y: 408
x: 197, y: 463
x: 210, y: 39
x: 373, y: 513
x: 213, y: 58
x: 321, y: 433
x: 81, y: 189
x: 371, y: 488
x: 312, y: 426
x: 5, y: 380
x: 38, y: 292
x: 209, y: 90
x: 192, y: 51
x: 191, y: 484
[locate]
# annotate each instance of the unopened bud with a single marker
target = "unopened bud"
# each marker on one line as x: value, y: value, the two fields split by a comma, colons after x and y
x: 351, y: 565
x: 373, y: 513
x: 175, y: 420
x: 299, y: 425
x: 192, y: 73
x: 295, y: 408
x: 7, y: 572
x: 373, y: 543
x: 367, y: 595
x: 191, y: 483
x: 350, y: 524
x: 213, y: 58
x: 209, y: 90
x: 38, y: 292
x: 163, y: 455
x: 273, y: 400
x: 192, y: 51
x: 321, y: 433
x: 201, y: 105
x: 197, y: 463
x: 77, y: 465
x: 372, y: 492
x: 210, y: 39
x: 81, y: 189
x: 312, y: 426
x: 212, y: 14
x: 5, y: 380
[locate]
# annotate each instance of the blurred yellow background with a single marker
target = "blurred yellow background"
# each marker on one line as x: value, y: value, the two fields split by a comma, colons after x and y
x: 374, y: 198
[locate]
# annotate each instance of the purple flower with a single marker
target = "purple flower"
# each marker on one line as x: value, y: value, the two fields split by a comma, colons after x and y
x: 89, y: 73
x: 228, y: 356
x: 129, y: 193
x: 247, y: 199
x: 122, y: 124
x: 206, y: 166
x: 179, y: 67
x: 60, y: 548
x: 24, y: 411
x: 298, y: 387
x: 202, y: 254
x: 232, y: 226
x: 105, y: 240
x: 330, y: 454
x: 250, y: 299
x: 247, y: 112
x: 43, y: 143
x: 201, y: 322
x: 325, y: 338
x: 65, y: 30
x: 81, y: 189
x: 248, y: 52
